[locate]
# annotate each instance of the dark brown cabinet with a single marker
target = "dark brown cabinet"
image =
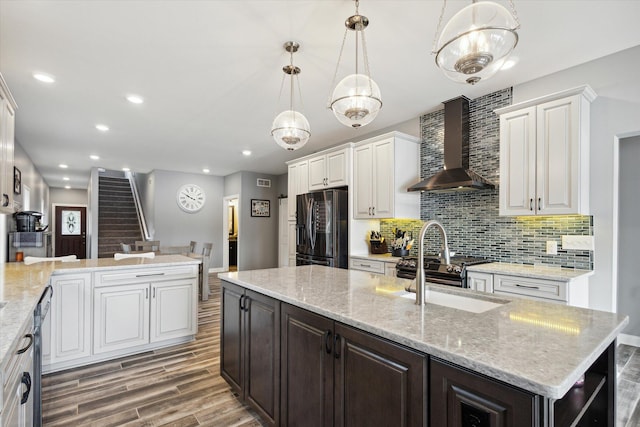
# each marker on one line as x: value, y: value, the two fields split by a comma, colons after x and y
x: 335, y: 375
x: 250, y: 348
x: 460, y: 398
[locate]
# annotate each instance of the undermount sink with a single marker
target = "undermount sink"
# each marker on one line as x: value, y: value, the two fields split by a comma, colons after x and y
x: 472, y: 305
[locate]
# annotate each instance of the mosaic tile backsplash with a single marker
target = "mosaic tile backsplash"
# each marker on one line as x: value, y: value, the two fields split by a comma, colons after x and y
x: 471, y: 218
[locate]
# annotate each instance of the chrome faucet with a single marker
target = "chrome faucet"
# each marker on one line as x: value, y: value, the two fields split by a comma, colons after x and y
x: 420, y: 285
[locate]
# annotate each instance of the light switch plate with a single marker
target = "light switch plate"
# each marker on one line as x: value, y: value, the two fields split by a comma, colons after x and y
x: 552, y: 247
x: 584, y: 243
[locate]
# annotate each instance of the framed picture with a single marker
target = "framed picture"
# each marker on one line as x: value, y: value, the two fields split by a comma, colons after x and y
x: 260, y: 208
x: 17, y: 180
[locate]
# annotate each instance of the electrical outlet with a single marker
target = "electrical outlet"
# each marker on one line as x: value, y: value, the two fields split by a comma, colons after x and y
x: 584, y: 243
x: 552, y: 247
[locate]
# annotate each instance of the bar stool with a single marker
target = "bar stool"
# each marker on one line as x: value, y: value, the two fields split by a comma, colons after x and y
x: 205, y: 257
x: 147, y: 245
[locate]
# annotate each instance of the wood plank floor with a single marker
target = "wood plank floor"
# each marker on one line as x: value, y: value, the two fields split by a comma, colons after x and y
x: 176, y: 386
x: 181, y: 386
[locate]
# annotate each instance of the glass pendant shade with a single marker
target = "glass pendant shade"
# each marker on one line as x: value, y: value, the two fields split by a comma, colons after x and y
x: 291, y: 130
x: 476, y: 42
x: 356, y: 100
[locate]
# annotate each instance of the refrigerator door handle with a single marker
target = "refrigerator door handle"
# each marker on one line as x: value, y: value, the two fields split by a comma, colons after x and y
x: 310, y: 227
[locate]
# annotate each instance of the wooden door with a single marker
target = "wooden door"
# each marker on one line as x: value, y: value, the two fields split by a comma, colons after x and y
x: 262, y: 355
x: 71, y: 231
x: 378, y: 382
x: 306, y: 368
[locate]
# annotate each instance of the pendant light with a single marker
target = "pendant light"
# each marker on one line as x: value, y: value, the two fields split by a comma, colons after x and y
x: 356, y: 100
x: 476, y: 42
x: 290, y: 128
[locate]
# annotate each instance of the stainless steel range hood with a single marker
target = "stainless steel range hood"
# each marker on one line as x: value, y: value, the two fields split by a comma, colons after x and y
x: 456, y: 175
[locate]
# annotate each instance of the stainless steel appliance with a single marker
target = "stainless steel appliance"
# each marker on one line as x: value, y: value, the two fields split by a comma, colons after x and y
x: 322, y: 228
x: 436, y: 271
x: 39, y: 316
x: 27, y: 220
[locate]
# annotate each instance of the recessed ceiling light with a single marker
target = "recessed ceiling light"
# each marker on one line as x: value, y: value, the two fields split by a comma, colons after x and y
x: 94, y: 157
x: 63, y: 166
x: 45, y: 78
x: 67, y: 187
x: 102, y: 128
x: 246, y: 152
x: 126, y: 169
x: 205, y: 170
x: 135, y: 99
x: 65, y: 178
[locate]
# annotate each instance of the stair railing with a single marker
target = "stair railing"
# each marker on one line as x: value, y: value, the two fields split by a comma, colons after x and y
x: 136, y: 198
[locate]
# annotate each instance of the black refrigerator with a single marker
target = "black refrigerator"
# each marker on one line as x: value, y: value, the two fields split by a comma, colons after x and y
x: 322, y: 228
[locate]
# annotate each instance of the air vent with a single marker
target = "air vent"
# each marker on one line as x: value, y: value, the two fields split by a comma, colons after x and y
x: 262, y: 182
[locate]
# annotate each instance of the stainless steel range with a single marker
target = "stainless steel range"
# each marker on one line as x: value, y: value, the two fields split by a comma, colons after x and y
x: 435, y: 271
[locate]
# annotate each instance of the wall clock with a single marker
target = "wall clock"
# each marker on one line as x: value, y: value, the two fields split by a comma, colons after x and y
x: 190, y: 198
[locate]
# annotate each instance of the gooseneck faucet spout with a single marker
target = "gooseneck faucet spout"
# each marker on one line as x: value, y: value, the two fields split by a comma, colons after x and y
x: 420, y: 285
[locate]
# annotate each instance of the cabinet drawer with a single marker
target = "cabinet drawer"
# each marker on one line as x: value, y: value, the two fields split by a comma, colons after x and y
x: 367, y: 265
x: 538, y: 288
x: 127, y: 276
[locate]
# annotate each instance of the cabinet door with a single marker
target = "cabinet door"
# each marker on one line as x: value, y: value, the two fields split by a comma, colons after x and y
x: 231, y: 357
x: 262, y: 355
x: 383, y: 179
x: 306, y: 368
x: 337, y: 169
x: 558, y: 156
x: 460, y: 398
x: 7, y: 130
x: 121, y: 317
x: 292, y: 189
x: 480, y: 281
x: 174, y: 310
x: 378, y: 382
x: 317, y: 173
x: 362, y: 181
x: 518, y: 162
x: 70, y: 315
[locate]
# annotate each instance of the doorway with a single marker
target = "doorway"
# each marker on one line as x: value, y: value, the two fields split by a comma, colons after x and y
x: 231, y: 233
x: 71, y: 231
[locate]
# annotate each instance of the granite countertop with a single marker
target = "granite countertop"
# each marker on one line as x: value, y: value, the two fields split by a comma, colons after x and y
x: 547, y: 272
x: 22, y: 285
x: 538, y: 346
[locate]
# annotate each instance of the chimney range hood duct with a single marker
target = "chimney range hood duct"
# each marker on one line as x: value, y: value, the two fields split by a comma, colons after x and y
x: 456, y: 175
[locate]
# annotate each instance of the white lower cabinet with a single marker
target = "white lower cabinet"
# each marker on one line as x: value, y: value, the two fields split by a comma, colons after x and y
x: 69, y: 318
x: 174, y: 310
x: 110, y: 313
x: 382, y: 266
x: 480, y: 282
x: 573, y: 292
x: 121, y: 317
x: 16, y: 393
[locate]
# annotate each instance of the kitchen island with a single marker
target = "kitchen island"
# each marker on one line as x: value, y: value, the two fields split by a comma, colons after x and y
x: 518, y: 358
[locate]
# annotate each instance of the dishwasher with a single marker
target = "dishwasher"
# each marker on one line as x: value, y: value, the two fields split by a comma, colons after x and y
x: 39, y: 316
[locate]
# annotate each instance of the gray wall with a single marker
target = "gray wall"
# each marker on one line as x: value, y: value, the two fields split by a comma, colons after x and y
x: 615, y: 113
x: 628, y: 282
x: 257, y: 236
x: 174, y: 227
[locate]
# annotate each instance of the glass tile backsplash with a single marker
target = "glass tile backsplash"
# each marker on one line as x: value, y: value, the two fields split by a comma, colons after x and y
x: 471, y: 218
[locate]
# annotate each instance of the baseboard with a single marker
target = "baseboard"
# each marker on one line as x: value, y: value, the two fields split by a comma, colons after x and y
x: 629, y: 340
x: 217, y: 270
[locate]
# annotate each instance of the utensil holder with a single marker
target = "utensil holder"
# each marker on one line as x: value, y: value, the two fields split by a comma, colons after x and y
x: 378, y: 247
x: 399, y: 252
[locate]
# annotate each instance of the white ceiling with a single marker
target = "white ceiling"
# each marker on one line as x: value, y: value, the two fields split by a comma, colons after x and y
x: 210, y: 73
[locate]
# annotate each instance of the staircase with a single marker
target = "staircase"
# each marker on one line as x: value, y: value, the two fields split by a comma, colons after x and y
x: 117, y: 217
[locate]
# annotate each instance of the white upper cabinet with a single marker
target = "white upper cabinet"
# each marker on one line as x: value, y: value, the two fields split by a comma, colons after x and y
x: 298, y: 184
x: 7, y: 130
x: 544, y: 154
x: 383, y: 168
x: 329, y: 170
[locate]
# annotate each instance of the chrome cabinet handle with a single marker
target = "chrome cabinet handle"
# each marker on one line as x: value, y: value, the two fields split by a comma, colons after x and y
x: 22, y: 350
x: 369, y: 210
x: 146, y: 293
x: 539, y: 203
x: 530, y: 204
x: 527, y: 287
x: 5, y: 200
x: 149, y: 275
x: 373, y: 209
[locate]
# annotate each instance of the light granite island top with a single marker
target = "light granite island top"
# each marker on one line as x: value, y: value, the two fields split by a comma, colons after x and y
x: 22, y: 285
x: 538, y: 346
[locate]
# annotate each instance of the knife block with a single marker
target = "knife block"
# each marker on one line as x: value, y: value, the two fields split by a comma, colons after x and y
x: 378, y: 247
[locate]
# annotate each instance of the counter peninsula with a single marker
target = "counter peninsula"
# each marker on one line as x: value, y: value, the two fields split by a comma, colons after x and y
x: 517, y: 361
